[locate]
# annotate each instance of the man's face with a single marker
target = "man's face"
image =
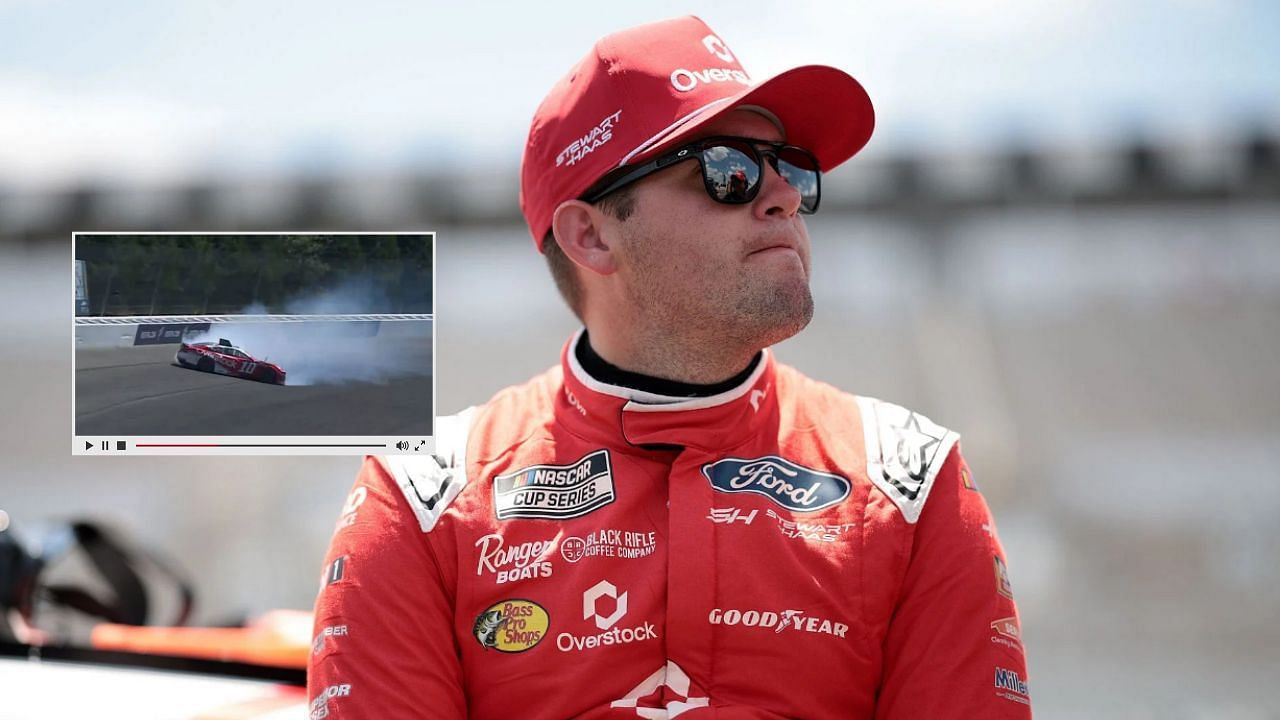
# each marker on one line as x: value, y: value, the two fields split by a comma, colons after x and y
x: 691, y: 265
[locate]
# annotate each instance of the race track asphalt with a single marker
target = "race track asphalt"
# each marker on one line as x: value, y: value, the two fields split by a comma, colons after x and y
x: 139, y: 391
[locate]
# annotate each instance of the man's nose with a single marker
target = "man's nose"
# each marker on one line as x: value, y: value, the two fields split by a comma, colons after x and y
x: 777, y: 196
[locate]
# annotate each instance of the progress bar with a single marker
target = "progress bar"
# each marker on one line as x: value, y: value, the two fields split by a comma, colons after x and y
x: 171, y: 445
x: 256, y: 445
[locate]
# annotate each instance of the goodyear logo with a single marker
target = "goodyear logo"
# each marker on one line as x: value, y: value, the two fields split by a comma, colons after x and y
x: 792, y: 486
x: 555, y: 492
x: 511, y: 626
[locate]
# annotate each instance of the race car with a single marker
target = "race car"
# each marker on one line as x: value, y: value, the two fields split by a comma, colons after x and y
x: 224, y: 358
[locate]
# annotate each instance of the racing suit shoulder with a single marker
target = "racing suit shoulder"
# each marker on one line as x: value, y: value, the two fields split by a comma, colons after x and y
x: 899, y: 451
x: 429, y: 484
x: 905, y: 453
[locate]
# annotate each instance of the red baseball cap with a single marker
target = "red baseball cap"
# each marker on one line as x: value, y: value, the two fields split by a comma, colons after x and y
x: 642, y: 90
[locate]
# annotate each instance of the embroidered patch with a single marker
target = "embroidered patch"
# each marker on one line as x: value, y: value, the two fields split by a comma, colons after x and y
x: 555, y: 492
x: 905, y: 452
x: 792, y: 486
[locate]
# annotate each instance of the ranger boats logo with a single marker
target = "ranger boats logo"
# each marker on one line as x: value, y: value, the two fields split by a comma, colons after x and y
x: 555, y: 492
x: 790, y: 485
x: 513, y: 562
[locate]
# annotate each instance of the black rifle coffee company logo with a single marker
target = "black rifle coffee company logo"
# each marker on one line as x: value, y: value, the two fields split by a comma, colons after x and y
x: 555, y: 492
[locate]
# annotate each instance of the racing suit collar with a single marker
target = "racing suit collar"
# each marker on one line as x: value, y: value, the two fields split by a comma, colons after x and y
x: 603, y: 371
x: 611, y: 414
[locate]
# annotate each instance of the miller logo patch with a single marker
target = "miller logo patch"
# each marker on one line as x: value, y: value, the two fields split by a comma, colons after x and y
x: 511, y: 626
x: 1011, y: 686
x: 792, y: 486
x: 555, y: 492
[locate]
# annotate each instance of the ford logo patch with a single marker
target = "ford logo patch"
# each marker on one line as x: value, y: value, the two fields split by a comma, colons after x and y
x: 790, y: 485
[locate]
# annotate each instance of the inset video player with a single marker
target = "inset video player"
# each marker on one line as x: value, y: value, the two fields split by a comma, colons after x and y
x: 253, y: 343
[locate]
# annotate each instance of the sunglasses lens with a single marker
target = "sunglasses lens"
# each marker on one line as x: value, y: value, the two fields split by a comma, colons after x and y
x: 800, y: 171
x: 730, y: 173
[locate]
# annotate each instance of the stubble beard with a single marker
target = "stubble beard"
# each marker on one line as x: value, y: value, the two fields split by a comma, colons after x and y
x: 748, y: 315
x: 767, y: 315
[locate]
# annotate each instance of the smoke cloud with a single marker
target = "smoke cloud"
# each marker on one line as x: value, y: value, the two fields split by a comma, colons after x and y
x: 329, y: 352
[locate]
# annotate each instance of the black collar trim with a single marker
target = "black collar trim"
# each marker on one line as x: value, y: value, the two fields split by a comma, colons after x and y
x: 604, y: 371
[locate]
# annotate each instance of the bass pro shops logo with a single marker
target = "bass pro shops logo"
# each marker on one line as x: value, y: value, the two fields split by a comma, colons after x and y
x: 555, y: 492
x: 790, y: 485
x: 511, y: 626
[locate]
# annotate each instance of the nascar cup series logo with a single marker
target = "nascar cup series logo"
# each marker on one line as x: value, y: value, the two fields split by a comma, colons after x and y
x: 790, y: 485
x: 511, y: 626
x: 555, y: 492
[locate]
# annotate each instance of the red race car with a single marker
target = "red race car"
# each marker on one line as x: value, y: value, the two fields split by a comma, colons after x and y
x: 224, y: 358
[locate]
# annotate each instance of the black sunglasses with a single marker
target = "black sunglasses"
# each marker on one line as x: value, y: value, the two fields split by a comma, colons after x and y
x: 732, y: 168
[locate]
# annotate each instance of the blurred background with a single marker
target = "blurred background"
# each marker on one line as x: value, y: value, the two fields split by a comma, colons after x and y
x: 1063, y: 241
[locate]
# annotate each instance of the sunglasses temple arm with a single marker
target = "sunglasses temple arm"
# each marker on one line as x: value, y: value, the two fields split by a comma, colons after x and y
x: 629, y: 177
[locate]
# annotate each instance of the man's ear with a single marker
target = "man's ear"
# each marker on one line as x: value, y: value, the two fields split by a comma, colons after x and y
x: 578, y: 227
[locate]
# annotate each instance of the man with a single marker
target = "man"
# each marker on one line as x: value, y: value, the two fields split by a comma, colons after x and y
x: 671, y: 523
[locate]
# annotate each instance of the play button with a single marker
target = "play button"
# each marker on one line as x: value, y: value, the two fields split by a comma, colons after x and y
x: 88, y: 445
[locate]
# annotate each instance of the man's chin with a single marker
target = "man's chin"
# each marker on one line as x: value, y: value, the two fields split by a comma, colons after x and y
x: 783, y: 316
x: 788, y: 330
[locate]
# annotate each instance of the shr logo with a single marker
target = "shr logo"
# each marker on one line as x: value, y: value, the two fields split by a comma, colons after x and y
x: 597, y: 591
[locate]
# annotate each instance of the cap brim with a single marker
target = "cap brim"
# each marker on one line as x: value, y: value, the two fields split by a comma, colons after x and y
x: 822, y: 109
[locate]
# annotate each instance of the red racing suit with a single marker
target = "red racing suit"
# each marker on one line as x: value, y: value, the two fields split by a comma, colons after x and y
x: 576, y: 549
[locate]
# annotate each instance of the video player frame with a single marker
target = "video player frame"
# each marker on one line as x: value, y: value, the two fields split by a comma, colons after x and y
x: 253, y: 343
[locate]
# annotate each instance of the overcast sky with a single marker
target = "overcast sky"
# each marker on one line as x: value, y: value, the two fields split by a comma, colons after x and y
x: 165, y: 90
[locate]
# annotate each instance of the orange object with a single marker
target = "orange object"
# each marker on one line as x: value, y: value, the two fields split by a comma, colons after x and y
x: 279, y: 638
